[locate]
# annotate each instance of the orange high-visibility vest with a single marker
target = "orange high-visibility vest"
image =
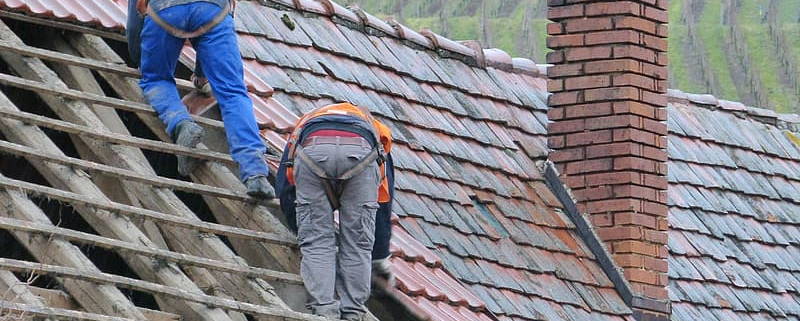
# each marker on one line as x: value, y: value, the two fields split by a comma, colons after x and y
x: 382, y: 136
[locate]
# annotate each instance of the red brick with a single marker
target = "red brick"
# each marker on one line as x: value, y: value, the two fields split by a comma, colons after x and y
x: 555, y: 85
x: 601, y: 220
x: 592, y: 193
x: 587, y: 53
x: 564, y: 155
x: 631, y: 218
x: 555, y: 57
x: 587, y: 82
x: 588, y: 138
x: 639, y: 136
x: 635, y: 52
x: 636, y: 247
x: 640, y: 192
x: 655, y: 181
x: 654, y: 153
x: 661, y: 86
x: 556, y: 142
x: 574, y: 181
x: 663, y: 251
x: 638, y: 164
x: 645, y: 276
x: 655, y: 126
x: 635, y: 23
x: 662, y: 224
x: 661, y: 114
x: 656, y: 264
x: 563, y: 70
x: 630, y: 79
x: 613, y: 149
x: 587, y: 110
x: 650, y: 291
x: 654, y: 208
x: 662, y: 59
x: 636, y: 108
x: 592, y: 24
x: 612, y: 37
x: 566, y: 126
x: 659, y: 72
x: 556, y: 113
x: 563, y: 98
x: 658, y: 237
x: 629, y: 260
x: 619, y: 233
x: 614, y: 205
x: 613, y: 8
x: 662, y: 4
x: 560, y: 13
x: 589, y: 166
x: 612, y: 66
x: 555, y: 28
x: 614, y: 121
x: 653, y: 13
x: 561, y: 41
x: 654, y: 42
x: 662, y: 30
x: 612, y: 93
x: 613, y: 178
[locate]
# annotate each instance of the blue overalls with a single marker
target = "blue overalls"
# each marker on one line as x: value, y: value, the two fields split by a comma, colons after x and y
x: 218, y: 49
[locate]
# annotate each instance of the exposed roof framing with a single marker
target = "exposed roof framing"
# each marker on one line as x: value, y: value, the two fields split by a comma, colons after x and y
x: 181, y: 259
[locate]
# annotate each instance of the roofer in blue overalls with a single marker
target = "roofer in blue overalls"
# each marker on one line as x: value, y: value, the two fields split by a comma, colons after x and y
x: 208, y: 24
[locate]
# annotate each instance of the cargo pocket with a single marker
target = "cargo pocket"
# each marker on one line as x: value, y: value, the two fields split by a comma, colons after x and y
x: 366, y: 237
x: 304, y: 228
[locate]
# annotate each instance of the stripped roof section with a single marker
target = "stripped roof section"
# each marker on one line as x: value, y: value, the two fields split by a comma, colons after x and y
x: 734, y: 200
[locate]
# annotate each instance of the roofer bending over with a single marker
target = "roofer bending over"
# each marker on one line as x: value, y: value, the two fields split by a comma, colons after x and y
x: 208, y: 24
x: 337, y: 158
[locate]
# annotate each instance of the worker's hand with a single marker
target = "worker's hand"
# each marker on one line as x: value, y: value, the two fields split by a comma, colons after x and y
x: 381, y: 268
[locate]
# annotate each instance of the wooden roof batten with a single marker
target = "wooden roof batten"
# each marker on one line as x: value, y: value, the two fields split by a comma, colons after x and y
x: 265, y: 250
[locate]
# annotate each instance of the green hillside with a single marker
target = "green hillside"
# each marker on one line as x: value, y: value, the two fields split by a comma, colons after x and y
x: 740, y: 50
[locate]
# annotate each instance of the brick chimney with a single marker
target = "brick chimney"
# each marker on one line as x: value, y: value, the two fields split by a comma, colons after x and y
x: 608, y: 131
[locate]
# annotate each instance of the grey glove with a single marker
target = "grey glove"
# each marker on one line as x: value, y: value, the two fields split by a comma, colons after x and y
x: 381, y: 268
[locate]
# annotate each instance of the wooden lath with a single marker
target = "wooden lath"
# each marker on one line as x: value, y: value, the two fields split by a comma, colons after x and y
x: 47, y: 230
x: 154, y: 288
x: 113, y: 138
x: 135, y: 213
x: 244, y: 221
x: 210, y: 173
x: 23, y: 309
x: 253, y: 290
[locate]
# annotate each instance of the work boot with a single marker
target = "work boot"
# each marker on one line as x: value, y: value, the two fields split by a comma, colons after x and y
x: 201, y: 84
x: 188, y: 134
x: 258, y: 186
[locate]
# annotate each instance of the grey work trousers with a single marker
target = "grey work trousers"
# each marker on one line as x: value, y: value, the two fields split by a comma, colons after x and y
x: 337, y: 282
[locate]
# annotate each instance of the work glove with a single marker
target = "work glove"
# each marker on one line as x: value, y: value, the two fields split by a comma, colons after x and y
x: 381, y: 268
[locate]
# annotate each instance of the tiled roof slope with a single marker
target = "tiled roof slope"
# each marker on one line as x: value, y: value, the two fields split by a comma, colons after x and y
x: 734, y: 199
x: 471, y: 202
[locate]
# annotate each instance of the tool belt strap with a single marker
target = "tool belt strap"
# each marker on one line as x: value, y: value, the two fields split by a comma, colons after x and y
x: 179, y: 33
x: 333, y: 196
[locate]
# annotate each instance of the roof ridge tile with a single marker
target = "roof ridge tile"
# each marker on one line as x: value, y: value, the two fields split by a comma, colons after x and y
x: 425, y: 37
x: 788, y: 121
x: 369, y: 20
x: 409, y: 34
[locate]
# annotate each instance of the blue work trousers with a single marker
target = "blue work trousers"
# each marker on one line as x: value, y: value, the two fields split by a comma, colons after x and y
x: 218, y: 50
